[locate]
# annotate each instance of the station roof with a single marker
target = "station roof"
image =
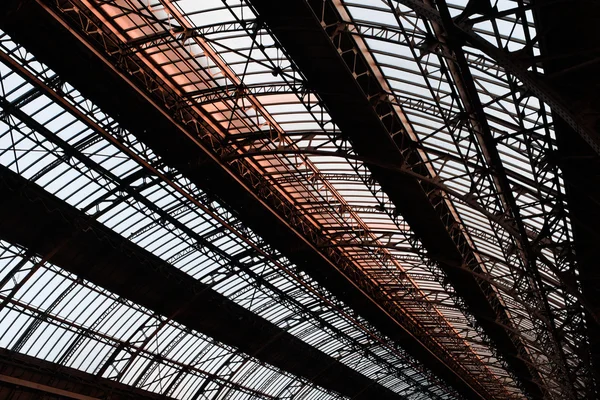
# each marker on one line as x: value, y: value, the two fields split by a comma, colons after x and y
x: 374, y: 182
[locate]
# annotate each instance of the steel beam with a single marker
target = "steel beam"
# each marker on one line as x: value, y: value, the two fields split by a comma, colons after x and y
x: 576, y: 77
x: 74, y: 61
x: 464, y: 81
x: 385, y: 140
x: 26, y: 377
x: 35, y: 219
x: 546, y: 91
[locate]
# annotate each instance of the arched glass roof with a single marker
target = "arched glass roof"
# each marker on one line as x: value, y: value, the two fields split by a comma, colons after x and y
x: 84, y: 324
x: 481, y: 137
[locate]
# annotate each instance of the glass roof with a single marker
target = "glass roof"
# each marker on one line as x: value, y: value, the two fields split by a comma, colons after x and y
x: 170, y: 225
x: 421, y: 81
x: 54, y: 315
x: 334, y: 193
x: 225, y: 67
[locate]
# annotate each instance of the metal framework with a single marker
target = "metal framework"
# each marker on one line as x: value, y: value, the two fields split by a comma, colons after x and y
x: 309, y: 199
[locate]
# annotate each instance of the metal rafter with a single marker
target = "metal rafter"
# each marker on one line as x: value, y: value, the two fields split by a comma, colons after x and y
x: 119, y: 135
x: 201, y: 77
x: 340, y: 260
x: 517, y: 64
x: 562, y: 266
x: 465, y: 83
x: 114, y: 270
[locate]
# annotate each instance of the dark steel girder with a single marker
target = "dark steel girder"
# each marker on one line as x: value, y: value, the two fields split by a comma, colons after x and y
x: 25, y: 377
x: 33, y: 218
x: 76, y: 63
x: 573, y: 68
x: 351, y: 109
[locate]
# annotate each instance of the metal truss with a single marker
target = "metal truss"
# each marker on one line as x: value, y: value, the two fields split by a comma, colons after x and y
x: 478, y: 142
x: 542, y: 244
x: 421, y: 305
x: 521, y: 62
x: 160, y: 370
x: 24, y: 377
x: 246, y: 282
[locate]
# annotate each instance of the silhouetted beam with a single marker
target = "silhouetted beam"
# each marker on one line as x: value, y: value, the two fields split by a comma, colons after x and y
x: 34, y: 28
x: 24, y: 377
x: 573, y: 67
x: 37, y: 220
x: 295, y: 24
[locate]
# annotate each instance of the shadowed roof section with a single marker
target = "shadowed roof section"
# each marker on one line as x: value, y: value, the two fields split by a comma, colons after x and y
x: 572, y: 63
x: 26, y: 377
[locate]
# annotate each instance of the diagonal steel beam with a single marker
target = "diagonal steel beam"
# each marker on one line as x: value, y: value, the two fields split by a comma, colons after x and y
x: 461, y: 74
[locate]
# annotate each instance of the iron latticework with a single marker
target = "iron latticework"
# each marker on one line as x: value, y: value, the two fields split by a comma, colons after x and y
x: 304, y: 199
